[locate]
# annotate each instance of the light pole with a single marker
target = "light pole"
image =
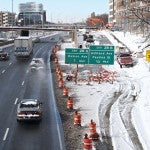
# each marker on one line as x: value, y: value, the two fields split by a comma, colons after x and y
x: 12, y: 19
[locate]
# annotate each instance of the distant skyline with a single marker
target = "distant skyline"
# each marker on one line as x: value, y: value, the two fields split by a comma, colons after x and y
x: 63, y: 10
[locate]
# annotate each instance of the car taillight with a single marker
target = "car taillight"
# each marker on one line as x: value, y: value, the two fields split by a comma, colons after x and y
x: 21, y: 113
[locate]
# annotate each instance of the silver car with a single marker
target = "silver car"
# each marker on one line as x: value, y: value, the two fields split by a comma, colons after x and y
x: 29, y: 110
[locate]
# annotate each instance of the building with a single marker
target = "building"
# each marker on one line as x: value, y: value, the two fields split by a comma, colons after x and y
x: 31, y: 13
x: 7, y: 18
x: 111, y: 16
x: 131, y: 15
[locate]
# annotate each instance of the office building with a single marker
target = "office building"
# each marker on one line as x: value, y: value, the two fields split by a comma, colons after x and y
x: 131, y: 15
x: 7, y: 18
x: 31, y: 13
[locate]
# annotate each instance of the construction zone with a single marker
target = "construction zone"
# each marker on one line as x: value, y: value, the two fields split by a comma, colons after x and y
x: 78, y: 135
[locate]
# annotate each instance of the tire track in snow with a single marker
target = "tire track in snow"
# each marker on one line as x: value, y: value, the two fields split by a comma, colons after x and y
x: 126, y: 103
x: 104, y: 115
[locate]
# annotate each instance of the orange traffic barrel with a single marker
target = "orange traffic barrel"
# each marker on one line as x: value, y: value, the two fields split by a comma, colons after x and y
x: 60, y: 76
x: 56, y: 59
x: 77, y: 118
x: 65, y: 91
x: 93, y: 134
x: 87, y: 143
x: 61, y: 83
x: 57, y: 68
x: 70, y: 103
x: 57, y: 48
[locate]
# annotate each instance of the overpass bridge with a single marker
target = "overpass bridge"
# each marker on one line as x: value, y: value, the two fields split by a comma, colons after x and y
x: 60, y: 27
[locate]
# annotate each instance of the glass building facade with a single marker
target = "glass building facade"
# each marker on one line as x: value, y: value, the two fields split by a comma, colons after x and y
x: 31, y: 13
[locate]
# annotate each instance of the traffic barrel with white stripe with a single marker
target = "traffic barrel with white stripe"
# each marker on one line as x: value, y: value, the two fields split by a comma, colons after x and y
x: 61, y: 83
x: 93, y: 134
x: 65, y: 91
x: 77, y: 118
x: 70, y: 103
x: 87, y: 143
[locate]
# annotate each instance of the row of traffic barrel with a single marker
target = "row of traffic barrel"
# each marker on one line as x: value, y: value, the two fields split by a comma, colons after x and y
x: 87, y: 140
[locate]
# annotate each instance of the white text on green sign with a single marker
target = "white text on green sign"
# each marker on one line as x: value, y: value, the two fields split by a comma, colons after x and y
x: 76, y: 56
x: 103, y: 55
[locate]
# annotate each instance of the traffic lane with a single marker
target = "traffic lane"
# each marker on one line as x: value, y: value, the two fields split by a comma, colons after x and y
x: 12, y: 79
x: 46, y: 134
x: 5, y: 64
x: 11, y: 82
x: 42, y: 49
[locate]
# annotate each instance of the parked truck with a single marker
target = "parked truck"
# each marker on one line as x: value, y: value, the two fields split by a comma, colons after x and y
x: 23, y: 47
x: 125, y: 59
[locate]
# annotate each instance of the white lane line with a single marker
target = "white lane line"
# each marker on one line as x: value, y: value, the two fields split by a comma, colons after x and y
x: 22, y: 83
x: 6, y: 133
x: 10, y: 64
x: 16, y: 101
x: 3, y: 71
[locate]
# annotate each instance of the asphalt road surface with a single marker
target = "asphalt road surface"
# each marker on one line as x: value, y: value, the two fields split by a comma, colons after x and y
x: 17, y: 81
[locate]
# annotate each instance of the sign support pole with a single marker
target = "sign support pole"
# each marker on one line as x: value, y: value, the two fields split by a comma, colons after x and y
x: 76, y: 74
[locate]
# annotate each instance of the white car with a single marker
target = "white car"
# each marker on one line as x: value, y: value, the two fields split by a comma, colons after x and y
x: 36, y: 64
x: 29, y: 110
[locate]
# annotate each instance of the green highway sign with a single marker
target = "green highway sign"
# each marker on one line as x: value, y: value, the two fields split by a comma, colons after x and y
x: 100, y: 54
x: 96, y: 54
x: 76, y: 56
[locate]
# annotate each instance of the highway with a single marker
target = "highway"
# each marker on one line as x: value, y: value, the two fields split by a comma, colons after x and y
x: 17, y: 81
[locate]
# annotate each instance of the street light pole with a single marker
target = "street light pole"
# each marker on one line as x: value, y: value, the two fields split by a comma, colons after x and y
x: 12, y: 6
x: 12, y: 18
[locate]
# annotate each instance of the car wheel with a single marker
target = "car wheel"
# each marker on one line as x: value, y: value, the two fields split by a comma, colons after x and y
x: 120, y: 66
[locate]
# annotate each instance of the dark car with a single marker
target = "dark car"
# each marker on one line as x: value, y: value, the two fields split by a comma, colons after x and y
x: 29, y: 110
x: 125, y: 59
x: 4, y: 55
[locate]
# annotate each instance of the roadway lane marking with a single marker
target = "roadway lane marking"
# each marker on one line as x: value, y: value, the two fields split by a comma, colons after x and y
x: 22, y: 83
x: 6, y: 133
x: 3, y: 71
x: 16, y: 101
x: 10, y: 64
x: 27, y: 71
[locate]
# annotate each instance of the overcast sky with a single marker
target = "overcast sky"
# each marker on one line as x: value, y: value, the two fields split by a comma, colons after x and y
x: 63, y: 10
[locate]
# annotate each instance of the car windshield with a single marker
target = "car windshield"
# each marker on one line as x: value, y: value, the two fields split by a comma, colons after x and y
x: 125, y: 55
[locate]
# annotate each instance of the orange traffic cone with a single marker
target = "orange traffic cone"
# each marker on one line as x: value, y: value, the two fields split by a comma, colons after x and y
x: 70, y: 103
x: 77, y: 118
x: 93, y: 134
x: 87, y: 143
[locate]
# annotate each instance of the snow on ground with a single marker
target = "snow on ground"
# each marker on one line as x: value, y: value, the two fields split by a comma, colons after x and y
x: 126, y: 113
